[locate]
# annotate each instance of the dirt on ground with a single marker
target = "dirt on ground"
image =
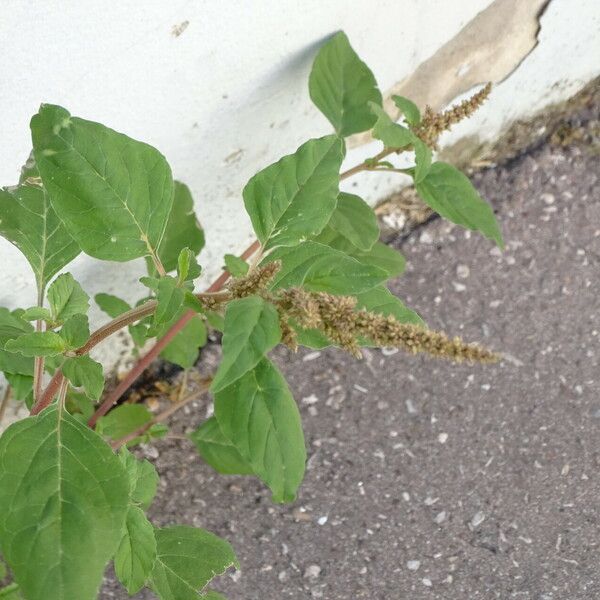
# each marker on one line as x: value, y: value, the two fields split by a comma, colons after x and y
x: 427, y: 480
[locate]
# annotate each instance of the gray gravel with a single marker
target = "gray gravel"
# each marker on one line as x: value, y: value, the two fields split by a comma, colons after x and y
x: 428, y: 480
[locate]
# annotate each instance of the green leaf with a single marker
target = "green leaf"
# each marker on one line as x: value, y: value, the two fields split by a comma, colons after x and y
x: 251, y: 330
x: 136, y: 554
x: 409, y: 109
x: 143, y: 478
x: 354, y: 219
x: 341, y: 86
x: 11, y: 327
x: 187, y: 267
x: 182, y: 230
x: 114, y: 194
x: 67, y: 298
x: 75, y: 331
x: 46, y: 343
x: 382, y: 301
x: 422, y: 160
x: 37, y: 313
x: 187, y: 561
x: 111, y: 305
x: 170, y: 299
x: 28, y: 221
x: 319, y: 268
x: 183, y: 349
x: 86, y: 373
x: 212, y: 595
x: 123, y: 420
x: 11, y: 592
x: 391, y: 134
x: 294, y: 197
x: 450, y: 193
x: 218, y: 451
x: 235, y: 265
x: 257, y: 413
x: 21, y: 387
x: 63, y: 500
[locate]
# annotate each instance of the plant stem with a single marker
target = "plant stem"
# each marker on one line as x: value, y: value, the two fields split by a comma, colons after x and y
x: 38, y: 363
x: 49, y: 393
x: 5, y: 401
x: 160, y: 418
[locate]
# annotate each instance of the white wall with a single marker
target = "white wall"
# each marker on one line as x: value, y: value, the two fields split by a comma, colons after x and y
x: 229, y: 95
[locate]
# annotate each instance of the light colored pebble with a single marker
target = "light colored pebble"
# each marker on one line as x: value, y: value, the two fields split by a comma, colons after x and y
x: 426, y: 582
x: 442, y: 438
x: 463, y: 271
x: 322, y: 520
x: 413, y: 565
x: 478, y: 519
x: 312, y: 572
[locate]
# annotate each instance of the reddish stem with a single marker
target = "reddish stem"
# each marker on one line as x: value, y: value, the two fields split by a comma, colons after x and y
x: 49, y: 393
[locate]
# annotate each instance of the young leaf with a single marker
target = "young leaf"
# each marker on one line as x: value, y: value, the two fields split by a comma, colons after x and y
x: 182, y: 230
x: 422, y: 160
x: 86, y: 373
x: 187, y: 561
x: 170, y: 298
x: 28, y: 221
x: 294, y: 197
x: 182, y: 350
x: 75, y: 331
x: 111, y: 305
x: 451, y: 194
x: 11, y: 592
x: 64, y: 496
x: 341, y: 86
x: 354, y: 219
x: 67, y: 298
x: 218, y: 451
x: 46, y: 343
x: 113, y: 193
x: 123, y: 420
x: 136, y: 554
x: 319, y: 268
x: 37, y: 313
x: 251, y: 330
x: 257, y: 413
x: 143, y: 478
x: 391, y: 134
x: 409, y: 109
x: 235, y: 265
x: 187, y: 267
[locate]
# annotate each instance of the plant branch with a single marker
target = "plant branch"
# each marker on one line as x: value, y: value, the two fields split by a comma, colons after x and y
x: 161, y: 417
x: 49, y: 393
x: 38, y: 363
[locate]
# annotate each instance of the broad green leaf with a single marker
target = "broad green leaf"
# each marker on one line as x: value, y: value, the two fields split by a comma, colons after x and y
x: 183, y: 349
x: 251, y: 330
x: 293, y: 198
x: 381, y: 300
x: 354, y: 219
x: 182, y: 230
x: 409, y: 109
x: 114, y: 194
x: 235, y: 265
x: 12, y: 325
x: 143, y: 478
x: 75, y: 331
x: 341, y: 86
x: 187, y: 266
x: 43, y: 343
x: 37, y: 313
x: 218, y: 451
x: 170, y: 299
x: 111, y: 305
x: 86, y: 373
x: 123, y: 420
x: 257, y: 413
x: 67, y: 298
x: 21, y: 387
x: 64, y: 496
x: 380, y: 255
x: 79, y: 404
x: 28, y: 221
x: 187, y: 561
x: 451, y: 194
x: 320, y: 268
x: 391, y: 134
x: 136, y: 554
x: 422, y: 160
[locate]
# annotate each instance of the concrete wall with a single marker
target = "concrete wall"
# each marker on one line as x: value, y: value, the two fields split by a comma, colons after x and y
x: 221, y: 87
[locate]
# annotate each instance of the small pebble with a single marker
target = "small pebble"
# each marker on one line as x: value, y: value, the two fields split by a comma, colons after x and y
x: 478, y: 519
x: 312, y: 572
x: 442, y: 438
x: 463, y: 271
x: 413, y: 565
x: 426, y: 582
x: 322, y: 520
